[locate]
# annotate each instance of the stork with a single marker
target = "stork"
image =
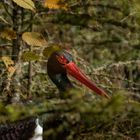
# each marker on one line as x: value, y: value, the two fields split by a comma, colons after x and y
x: 60, y: 64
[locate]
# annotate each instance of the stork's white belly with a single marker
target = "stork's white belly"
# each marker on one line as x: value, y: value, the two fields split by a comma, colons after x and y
x: 38, y: 132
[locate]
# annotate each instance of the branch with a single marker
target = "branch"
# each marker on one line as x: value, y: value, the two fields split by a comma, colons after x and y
x: 109, y: 6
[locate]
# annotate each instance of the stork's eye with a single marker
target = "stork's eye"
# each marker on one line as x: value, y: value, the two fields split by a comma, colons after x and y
x: 62, y: 59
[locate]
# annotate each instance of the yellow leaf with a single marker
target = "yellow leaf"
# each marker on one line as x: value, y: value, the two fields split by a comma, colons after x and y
x: 11, y: 71
x: 55, y: 4
x: 49, y: 50
x: 8, y: 34
x: 7, y: 61
x: 30, y: 56
x: 34, y: 39
x: 27, y: 4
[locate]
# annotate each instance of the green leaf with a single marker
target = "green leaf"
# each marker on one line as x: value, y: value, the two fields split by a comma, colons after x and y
x: 49, y: 50
x: 30, y: 56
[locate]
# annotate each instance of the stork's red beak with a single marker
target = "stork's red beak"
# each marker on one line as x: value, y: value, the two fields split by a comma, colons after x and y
x: 74, y: 71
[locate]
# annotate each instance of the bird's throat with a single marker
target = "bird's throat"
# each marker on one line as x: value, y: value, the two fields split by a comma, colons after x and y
x: 62, y: 82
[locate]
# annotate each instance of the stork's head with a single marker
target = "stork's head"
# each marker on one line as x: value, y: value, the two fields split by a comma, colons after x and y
x: 60, y: 64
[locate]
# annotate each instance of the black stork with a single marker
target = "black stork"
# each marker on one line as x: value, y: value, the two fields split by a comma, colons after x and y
x: 60, y: 63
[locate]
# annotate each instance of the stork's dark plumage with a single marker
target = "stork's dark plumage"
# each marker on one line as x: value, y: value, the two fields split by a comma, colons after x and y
x: 60, y: 63
x: 56, y: 70
x: 27, y: 129
x: 14, y: 131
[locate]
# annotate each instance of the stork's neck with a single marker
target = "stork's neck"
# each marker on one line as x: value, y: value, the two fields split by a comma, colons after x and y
x: 62, y: 82
x: 58, y: 74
